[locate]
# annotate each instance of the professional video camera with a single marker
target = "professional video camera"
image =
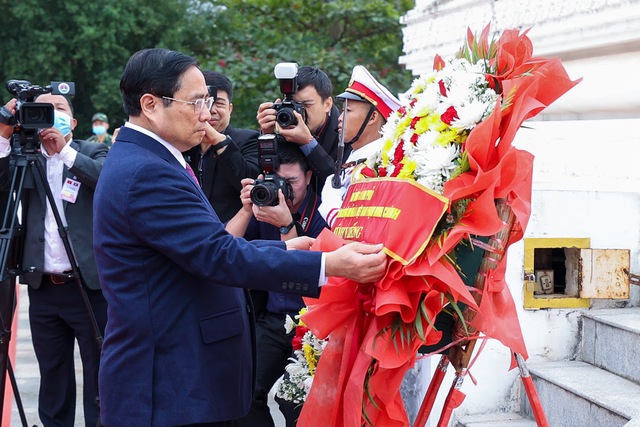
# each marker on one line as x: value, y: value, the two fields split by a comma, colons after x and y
x: 265, y: 191
x: 32, y: 116
x: 287, y: 73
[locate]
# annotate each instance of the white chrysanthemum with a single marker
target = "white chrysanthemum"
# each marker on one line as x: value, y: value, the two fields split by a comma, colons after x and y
x: 469, y: 115
x: 434, y: 164
x: 425, y: 140
x: 428, y: 101
x: 289, y: 324
x: 296, y: 367
x: 389, y: 128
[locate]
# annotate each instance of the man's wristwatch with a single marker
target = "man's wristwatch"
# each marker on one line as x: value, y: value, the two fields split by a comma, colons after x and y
x: 287, y: 228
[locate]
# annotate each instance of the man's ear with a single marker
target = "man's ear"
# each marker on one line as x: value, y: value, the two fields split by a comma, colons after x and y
x: 230, y: 108
x: 374, y: 117
x: 149, y: 104
x: 328, y: 103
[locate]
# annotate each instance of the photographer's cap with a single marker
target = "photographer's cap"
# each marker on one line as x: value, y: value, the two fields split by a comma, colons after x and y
x: 100, y: 116
x: 363, y: 87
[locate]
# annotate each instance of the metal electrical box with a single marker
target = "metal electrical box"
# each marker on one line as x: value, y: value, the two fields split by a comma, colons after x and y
x: 601, y: 273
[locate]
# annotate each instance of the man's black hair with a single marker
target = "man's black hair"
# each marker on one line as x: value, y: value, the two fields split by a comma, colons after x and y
x: 155, y: 71
x: 312, y: 76
x: 220, y: 81
x: 290, y: 154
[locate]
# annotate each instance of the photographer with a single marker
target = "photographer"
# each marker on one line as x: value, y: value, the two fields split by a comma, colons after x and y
x: 221, y: 166
x: 317, y: 132
x: 291, y: 217
x: 57, y: 313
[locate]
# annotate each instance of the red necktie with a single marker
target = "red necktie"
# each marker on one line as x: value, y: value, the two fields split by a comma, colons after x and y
x: 193, y: 175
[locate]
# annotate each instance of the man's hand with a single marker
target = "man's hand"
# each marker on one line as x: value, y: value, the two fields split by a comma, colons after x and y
x: 266, y: 117
x: 212, y: 136
x: 7, y: 130
x: 278, y: 215
x: 302, y: 243
x: 298, y: 134
x: 357, y: 261
x: 52, y: 140
x: 245, y: 194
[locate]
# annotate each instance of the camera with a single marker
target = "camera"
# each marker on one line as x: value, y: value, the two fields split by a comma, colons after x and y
x: 265, y: 190
x: 287, y: 73
x: 32, y: 116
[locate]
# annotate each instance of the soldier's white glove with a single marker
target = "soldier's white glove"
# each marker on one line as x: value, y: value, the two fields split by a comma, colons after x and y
x: 332, y: 199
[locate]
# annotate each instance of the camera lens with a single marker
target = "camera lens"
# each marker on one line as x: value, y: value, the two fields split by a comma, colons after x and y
x: 285, y: 118
x: 35, y: 115
x: 264, y: 194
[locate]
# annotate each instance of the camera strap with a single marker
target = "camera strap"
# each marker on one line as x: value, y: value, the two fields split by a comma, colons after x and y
x: 309, y: 210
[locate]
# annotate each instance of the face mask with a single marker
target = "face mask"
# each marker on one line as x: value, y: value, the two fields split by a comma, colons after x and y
x: 99, y: 130
x: 62, y: 122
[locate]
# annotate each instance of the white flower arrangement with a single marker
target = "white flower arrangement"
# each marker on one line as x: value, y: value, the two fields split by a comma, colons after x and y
x: 424, y: 139
x: 308, y: 348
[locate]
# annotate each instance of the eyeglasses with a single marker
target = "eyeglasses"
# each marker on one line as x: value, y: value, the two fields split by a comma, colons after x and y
x: 198, y: 105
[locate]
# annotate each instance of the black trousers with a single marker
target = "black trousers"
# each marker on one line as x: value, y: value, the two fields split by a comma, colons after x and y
x: 58, y: 317
x: 273, y: 351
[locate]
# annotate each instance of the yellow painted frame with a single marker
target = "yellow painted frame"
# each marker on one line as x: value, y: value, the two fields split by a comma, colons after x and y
x: 532, y: 302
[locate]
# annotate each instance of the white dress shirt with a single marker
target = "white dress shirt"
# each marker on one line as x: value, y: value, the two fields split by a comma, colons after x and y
x: 55, y: 255
x: 56, y: 259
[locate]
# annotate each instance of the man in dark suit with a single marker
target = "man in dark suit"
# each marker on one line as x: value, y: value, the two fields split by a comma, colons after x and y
x: 317, y: 132
x: 179, y: 346
x: 221, y: 167
x: 283, y: 221
x: 57, y: 313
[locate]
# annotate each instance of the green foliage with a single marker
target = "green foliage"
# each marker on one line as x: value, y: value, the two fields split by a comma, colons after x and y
x: 252, y: 37
x: 90, y: 42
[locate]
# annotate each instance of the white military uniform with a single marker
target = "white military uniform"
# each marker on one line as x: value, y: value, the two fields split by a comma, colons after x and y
x: 364, y: 88
x: 332, y: 198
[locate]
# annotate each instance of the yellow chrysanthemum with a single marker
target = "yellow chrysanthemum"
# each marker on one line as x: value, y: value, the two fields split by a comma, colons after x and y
x: 301, y: 313
x: 446, y: 137
x: 310, y: 357
x: 403, y: 124
x: 409, y: 166
x: 386, y: 149
x: 423, y: 124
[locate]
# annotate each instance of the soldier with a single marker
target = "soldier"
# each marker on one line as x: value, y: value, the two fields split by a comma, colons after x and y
x: 366, y: 107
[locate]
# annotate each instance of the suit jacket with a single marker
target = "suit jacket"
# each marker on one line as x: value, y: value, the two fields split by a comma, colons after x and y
x: 221, y: 174
x: 179, y: 342
x: 85, y: 170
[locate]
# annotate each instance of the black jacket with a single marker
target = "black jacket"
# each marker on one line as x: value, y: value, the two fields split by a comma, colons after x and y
x: 322, y: 159
x: 220, y: 175
x: 79, y: 215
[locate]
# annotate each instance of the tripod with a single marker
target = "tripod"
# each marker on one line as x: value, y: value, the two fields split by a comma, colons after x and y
x: 26, y: 159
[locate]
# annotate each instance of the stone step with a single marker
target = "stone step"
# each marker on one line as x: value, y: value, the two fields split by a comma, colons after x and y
x: 577, y: 394
x: 611, y: 340
x: 493, y: 420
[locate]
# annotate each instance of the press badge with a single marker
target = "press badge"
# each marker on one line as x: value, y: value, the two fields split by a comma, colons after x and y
x: 70, y: 190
